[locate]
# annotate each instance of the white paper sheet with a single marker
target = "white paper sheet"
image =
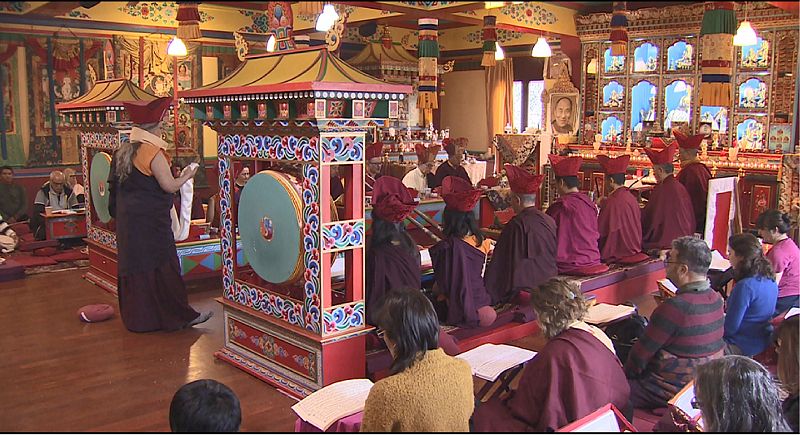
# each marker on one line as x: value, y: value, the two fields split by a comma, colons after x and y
x: 488, y: 361
x: 334, y: 402
x: 718, y: 262
x: 604, y: 423
x: 792, y: 312
x: 604, y: 313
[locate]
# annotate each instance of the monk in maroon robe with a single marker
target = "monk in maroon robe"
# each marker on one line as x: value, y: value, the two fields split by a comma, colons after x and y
x: 451, y: 167
x: 393, y: 260
x: 620, y: 217
x: 459, y: 260
x: 668, y: 213
x: 574, y: 374
x: 373, y: 154
x: 576, y: 218
x: 525, y: 255
x: 694, y: 175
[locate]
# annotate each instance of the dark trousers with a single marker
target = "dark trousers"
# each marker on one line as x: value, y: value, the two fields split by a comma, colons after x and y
x: 785, y: 303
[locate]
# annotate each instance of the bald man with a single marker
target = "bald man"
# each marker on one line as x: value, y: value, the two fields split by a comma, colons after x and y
x: 56, y: 194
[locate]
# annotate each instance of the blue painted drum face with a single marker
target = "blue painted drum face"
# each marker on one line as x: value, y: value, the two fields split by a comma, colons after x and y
x: 99, y: 170
x: 270, y: 225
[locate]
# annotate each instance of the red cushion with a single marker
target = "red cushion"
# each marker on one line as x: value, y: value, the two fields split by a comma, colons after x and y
x: 33, y: 245
x: 11, y: 270
x: 45, y: 252
x: 21, y: 228
x: 95, y: 313
x: 633, y: 259
x: 28, y: 260
x: 597, y: 269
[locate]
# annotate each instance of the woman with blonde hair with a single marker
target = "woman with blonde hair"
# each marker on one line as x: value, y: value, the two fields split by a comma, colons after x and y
x: 575, y: 373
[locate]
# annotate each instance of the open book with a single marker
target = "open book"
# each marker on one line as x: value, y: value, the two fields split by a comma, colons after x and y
x: 681, y: 406
x: 605, y: 313
x: 328, y: 405
x: 792, y: 312
x: 667, y: 288
x: 489, y: 361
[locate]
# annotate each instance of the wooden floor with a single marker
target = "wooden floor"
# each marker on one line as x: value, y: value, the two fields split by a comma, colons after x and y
x: 60, y: 374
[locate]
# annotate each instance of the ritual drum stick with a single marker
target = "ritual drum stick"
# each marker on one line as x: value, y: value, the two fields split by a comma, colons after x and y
x: 427, y: 232
x: 430, y: 221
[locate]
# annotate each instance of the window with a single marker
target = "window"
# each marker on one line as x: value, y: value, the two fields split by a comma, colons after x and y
x: 528, y: 108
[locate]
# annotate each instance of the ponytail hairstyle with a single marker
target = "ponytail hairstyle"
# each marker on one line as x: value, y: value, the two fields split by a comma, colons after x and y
x: 127, y: 152
x: 774, y: 219
x: 753, y: 263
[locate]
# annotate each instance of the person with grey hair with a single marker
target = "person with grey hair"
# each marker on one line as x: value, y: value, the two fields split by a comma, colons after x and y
x: 684, y: 331
x: 56, y: 194
x: 737, y: 394
x: 151, y: 291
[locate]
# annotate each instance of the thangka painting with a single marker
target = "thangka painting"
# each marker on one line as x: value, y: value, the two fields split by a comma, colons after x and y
x: 8, y: 98
x: 613, y: 95
x: 613, y: 64
x: 680, y: 56
x: 780, y: 136
x: 750, y: 135
x: 753, y: 94
x: 755, y: 56
x: 643, y: 104
x: 611, y: 129
x: 717, y: 117
x: 677, y: 103
x: 645, y: 58
x: 184, y: 75
x: 157, y: 69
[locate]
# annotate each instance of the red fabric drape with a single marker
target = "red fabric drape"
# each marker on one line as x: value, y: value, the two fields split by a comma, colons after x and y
x: 61, y: 63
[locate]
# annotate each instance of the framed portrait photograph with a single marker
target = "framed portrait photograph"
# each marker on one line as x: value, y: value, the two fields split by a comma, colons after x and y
x: 394, y: 109
x: 358, y: 109
x: 319, y: 108
x: 562, y: 113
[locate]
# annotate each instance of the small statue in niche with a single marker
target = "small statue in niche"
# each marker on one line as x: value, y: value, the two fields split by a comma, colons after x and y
x: 556, y: 65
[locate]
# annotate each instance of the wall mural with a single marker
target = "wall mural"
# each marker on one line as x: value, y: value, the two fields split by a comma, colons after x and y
x: 531, y: 15
x: 755, y: 56
x: 680, y: 56
x: 677, y: 104
x: 753, y: 94
x: 158, y: 12
x: 643, y: 104
x: 645, y: 58
x: 613, y: 64
x: 750, y: 134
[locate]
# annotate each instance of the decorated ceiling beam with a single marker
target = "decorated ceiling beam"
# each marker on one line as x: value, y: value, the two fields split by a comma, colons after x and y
x: 52, y: 9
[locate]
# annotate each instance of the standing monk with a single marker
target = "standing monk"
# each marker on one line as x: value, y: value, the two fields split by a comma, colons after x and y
x: 453, y: 164
x: 694, y: 176
x: 576, y: 218
x: 152, y: 295
x: 620, y: 218
x: 373, y: 156
x: 525, y: 255
x: 668, y: 214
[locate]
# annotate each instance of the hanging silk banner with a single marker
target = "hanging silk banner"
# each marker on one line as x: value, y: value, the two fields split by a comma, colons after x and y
x: 716, y: 66
x: 619, y: 29
x: 428, y: 53
x: 489, y: 40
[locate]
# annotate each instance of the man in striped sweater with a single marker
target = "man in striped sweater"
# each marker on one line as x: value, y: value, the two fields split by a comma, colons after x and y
x: 684, y: 331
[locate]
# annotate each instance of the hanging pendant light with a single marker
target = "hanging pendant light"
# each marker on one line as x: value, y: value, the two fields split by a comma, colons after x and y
x: 327, y: 18
x: 541, y: 49
x: 745, y: 35
x: 176, y: 47
x: 271, y: 43
x: 499, y: 54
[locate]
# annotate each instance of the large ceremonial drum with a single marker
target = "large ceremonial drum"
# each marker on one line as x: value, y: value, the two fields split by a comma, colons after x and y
x: 98, y: 177
x: 270, y: 220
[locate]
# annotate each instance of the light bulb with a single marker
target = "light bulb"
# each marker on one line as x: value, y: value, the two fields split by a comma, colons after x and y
x: 176, y: 47
x: 541, y: 49
x: 745, y: 35
x: 271, y: 42
x: 327, y: 18
x: 499, y: 54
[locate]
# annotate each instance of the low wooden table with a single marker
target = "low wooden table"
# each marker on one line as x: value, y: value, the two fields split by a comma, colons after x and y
x: 60, y: 226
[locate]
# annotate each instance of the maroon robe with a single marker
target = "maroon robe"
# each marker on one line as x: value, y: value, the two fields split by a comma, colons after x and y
x: 570, y: 378
x: 667, y: 215
x: 337, y: 187
x: 457, y: 268
x: 151, y: 292
x: 444, y: 170
x: 694, y: 177
x: 525, y: 255
x: 576, y: 218
x: 620, y: 226
x: 389, y: 267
